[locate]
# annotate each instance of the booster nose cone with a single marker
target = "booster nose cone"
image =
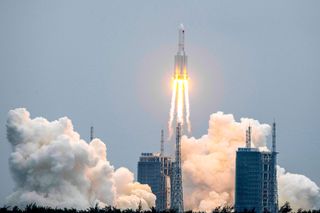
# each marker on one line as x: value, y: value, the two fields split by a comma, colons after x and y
x: 181, y: 39
x: 181, y: 27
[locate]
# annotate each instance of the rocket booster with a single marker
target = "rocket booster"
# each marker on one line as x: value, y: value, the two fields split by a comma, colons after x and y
x: 181, y: 59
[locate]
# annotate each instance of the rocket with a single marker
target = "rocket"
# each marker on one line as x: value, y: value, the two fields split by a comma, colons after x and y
x: 181, y: 59
x: 180, y: 108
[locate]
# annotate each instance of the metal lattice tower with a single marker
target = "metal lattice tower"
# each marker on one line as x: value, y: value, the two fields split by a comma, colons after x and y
x: 162, y: 143
x: 274, y: 191
x: 91, y: 133
x: 248, y: 137
x: 274, y: 137
x: 176, y: 190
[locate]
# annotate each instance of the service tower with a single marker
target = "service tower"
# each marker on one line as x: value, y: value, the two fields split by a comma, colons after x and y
x: 176, y: 184
x: 256, y: 177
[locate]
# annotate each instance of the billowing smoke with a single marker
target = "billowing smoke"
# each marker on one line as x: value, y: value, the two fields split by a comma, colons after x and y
x: 298, y: 189
x: 209, y: 166
x: 52, y: 166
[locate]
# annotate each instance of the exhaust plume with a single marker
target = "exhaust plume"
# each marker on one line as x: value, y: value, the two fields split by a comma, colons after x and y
x: 298, y: 189
x: 180, y: 107
x: 208, y: 165
x: 52, y: 166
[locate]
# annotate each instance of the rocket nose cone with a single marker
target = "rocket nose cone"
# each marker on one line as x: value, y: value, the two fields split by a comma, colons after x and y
x: 181, y: 27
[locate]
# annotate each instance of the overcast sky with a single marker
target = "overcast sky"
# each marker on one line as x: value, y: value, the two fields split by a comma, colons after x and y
x: 109, y: 64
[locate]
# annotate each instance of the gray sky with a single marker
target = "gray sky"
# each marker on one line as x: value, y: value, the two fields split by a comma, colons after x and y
x: 109, y: 64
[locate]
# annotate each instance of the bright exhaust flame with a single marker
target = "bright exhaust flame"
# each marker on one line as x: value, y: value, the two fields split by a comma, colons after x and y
x: 179, y: 104
x: 186, y: 94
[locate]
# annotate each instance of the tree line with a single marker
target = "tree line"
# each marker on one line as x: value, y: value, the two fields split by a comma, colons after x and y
x: 286, y: 208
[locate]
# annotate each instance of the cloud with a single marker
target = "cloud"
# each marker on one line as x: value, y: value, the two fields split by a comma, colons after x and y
x: 52, y: 166
x: 298, y: 189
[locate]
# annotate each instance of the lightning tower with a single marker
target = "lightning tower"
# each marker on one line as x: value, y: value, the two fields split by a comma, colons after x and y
x: 162, y: 143
x: 248, y: 137
x: 91, y: 133
x: 274, y: 182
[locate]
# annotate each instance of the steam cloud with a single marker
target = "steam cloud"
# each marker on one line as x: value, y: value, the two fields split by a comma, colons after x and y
x: 52, y: 166
x: 209, y: 166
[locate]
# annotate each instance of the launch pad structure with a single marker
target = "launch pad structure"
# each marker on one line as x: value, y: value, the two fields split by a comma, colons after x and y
x: 256, y: 177
x: 179, y: 110
x: 176, y: 183
x: 159, y: 171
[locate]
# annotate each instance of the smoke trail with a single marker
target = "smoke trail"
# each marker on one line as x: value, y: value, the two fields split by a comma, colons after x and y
x: 186, y: 90
x: 172, y: 108
x: 52, y: 166
x: 209, y: 166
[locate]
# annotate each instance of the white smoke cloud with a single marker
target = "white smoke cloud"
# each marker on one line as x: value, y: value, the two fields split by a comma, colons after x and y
x: 209, y: 166
x: 52, y: 166
x: 298, y: 189
x: 131, y: 193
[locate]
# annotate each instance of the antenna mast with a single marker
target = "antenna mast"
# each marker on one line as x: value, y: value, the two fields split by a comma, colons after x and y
x: 274, y: 189
x: 248, y: 137
x: 91, y: 133
x: 274, y: 137
x: 162, y: 143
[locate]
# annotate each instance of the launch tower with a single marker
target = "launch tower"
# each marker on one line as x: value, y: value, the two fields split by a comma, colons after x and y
x: 274, y: 183
x: 177, y: 191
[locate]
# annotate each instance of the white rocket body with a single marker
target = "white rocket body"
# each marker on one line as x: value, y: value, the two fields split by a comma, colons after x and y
x: 181, y: 59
